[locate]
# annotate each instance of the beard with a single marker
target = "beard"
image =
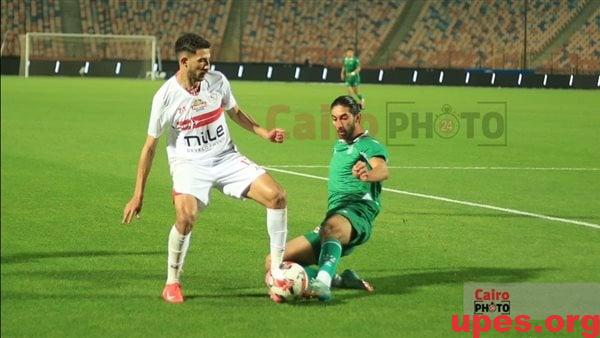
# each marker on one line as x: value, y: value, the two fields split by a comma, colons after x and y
x: 196, y: 77
x: 346, y: 133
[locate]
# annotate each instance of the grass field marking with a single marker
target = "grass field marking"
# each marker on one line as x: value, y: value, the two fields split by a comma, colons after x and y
x: 448, y: 168
x: 450, y: 200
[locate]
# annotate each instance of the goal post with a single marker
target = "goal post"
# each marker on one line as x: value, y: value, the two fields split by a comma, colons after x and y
x: 88, y: 55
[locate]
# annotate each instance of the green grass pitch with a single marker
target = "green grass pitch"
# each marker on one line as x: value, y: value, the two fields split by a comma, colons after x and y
x: 71, y: 269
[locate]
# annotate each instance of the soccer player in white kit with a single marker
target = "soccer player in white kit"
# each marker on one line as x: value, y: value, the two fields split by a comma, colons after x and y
x: 191, y: 106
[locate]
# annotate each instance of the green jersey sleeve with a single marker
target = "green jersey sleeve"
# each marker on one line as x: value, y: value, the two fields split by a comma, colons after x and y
x: 370, y: 148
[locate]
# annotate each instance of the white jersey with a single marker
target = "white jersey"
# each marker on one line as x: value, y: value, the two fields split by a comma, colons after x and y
x: 197, y: 123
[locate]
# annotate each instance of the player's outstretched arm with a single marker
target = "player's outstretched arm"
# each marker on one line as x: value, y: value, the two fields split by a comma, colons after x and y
x: 134, y: 206
x: 378, y: 172
x: 276, y: 135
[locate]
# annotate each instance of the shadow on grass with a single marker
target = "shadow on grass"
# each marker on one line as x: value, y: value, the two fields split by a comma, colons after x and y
x: 402, y: 283
x: 228, y: 295
x: 393, y: 282
x: 76, y: 297
x: 408, y: 282
x: 27, y: 257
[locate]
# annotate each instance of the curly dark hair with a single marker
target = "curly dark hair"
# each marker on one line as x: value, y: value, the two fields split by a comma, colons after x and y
x: 347, y: 101
x: 190, y: 42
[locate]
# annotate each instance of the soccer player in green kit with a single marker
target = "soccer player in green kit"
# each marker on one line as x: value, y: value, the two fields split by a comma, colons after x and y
x: 356, y: 169
x: 351, y: 74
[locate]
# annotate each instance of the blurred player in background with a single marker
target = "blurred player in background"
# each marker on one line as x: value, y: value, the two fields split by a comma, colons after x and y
x: 190, y: 106
x: 351, y: 74
x: 358, y: 166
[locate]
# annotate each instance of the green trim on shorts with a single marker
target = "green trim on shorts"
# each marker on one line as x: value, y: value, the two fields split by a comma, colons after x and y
x: 353, y: 80
x: 356, y: 214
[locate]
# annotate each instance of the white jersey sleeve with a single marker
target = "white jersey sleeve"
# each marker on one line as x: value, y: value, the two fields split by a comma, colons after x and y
x: 158, y: 117
x: 228, y: 100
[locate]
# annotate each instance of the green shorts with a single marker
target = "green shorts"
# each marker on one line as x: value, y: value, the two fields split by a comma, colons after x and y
x: 361, y: 218
x: 352, y: 80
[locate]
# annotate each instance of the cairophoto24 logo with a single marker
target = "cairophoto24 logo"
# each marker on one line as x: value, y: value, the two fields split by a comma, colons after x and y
x: 484, y: 123
x: 492, y: 301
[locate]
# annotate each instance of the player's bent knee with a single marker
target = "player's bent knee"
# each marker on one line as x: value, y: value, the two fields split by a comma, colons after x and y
x: 333, y: 231
x: 328, y: 231
x: 186, y: 218
x: 277, y: 199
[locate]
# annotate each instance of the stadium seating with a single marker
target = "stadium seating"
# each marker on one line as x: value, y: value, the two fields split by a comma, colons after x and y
x: 447, y: 33
x: 164, y: 19
x: 19, y: 17
x: 490, y: 33
x: 581, y: 54
x: 293, y: 31
x: 547, y: 19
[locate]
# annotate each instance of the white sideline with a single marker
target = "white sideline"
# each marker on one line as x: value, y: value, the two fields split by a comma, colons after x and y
x: 472, y: 204
x: 451, y: 168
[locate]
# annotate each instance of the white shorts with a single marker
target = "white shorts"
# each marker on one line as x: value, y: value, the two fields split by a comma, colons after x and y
x: 231, y: 173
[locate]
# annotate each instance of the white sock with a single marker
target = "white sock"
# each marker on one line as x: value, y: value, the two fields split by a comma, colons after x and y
x: 277, y: 227
x: 324, y: 277
x: 175, y: 255
x: 184, y: 250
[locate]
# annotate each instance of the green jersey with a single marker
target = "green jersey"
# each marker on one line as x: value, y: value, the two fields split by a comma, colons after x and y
x: 343, y: 187
x: 350, y: 64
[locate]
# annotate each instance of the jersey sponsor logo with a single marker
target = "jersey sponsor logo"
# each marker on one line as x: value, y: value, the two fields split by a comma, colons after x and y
x: 199, y: 120
x: 204, y: 137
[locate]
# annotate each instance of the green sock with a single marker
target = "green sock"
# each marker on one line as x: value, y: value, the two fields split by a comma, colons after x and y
x: 311, y: 271
x: 331, y: 251
x: 360, y: 97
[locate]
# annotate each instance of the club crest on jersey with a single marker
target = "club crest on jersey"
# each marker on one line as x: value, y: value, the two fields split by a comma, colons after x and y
x: 213, y: 97
x: 198, y: 104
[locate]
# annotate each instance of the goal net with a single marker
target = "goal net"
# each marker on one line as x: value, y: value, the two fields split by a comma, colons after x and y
x: 88, y: 55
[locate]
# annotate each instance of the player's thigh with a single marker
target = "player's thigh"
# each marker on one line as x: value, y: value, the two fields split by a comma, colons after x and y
x: 337, y: 226
x: 239, y: 177
x: 300, y: 250
x: 191, y: 179
x: 266, y: 191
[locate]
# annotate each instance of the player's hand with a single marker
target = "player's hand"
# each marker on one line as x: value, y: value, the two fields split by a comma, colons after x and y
x: 276, y: 135
x: 360, y: 171
x: 132, y: 208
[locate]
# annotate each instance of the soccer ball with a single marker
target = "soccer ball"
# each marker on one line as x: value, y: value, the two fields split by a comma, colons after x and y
x: 295, y: 273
